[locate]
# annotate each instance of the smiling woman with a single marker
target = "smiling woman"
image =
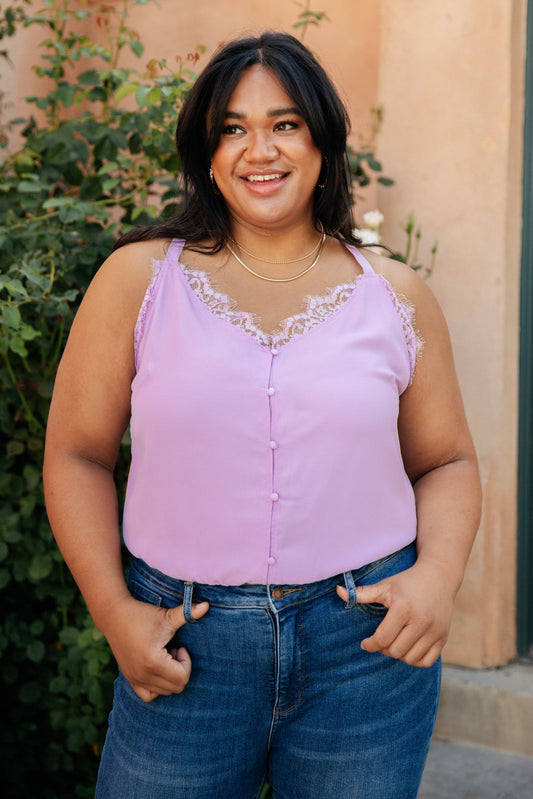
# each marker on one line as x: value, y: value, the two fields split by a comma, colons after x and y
x: 303, y: 491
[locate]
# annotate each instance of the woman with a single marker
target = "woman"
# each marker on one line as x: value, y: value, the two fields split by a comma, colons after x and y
x: 303, y: 496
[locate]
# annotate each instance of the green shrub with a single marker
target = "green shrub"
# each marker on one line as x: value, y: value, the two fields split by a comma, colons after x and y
x: 99, y: 154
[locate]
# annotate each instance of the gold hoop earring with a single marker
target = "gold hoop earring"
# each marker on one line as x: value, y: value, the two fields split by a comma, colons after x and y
x: 212, y: 179
x: 323, y: 185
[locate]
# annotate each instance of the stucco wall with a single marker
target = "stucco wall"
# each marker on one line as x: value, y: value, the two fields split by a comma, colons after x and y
x: 449, y: 79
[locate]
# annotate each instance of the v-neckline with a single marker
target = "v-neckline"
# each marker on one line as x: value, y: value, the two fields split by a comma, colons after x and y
x: 316, y: 310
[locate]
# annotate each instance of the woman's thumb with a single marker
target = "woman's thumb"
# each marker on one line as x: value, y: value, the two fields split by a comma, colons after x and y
x: 369, y: 593
x: 199, y: 610
x: 176, y: 617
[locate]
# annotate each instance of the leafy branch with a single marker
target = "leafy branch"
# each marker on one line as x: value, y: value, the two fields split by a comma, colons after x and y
x: 308, y: 18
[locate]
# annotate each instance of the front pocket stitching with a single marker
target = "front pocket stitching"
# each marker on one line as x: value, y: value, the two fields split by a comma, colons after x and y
x: 139, y: 588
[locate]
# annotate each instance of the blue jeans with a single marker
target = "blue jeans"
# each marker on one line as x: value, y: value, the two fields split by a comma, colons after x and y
x: 280, y: 690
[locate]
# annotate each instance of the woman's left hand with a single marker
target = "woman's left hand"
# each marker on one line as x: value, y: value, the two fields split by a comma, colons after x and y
x: 417, y: 623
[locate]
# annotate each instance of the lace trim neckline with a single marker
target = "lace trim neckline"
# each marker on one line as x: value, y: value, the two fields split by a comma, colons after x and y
x: 315, y: 309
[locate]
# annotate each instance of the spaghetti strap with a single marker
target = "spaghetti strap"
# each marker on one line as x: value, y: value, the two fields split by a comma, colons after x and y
x: 361, y: 260
x: 174, y: 251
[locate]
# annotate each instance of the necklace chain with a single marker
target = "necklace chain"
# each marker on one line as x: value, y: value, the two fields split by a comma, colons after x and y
x: 291, y: 260
x: 281, y: 279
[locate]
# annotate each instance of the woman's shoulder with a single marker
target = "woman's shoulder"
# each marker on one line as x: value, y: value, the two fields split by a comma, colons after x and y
x: 425, y: 311
x: 138, y: 256
x: 404, y: 280
x: 120, y: 284
x: 409, y: 286
x: 129, y: 269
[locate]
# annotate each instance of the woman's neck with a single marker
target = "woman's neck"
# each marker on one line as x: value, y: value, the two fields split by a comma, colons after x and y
x: 277, y: 245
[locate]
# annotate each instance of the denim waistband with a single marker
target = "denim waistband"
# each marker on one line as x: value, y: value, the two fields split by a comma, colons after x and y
x: 250, y: 595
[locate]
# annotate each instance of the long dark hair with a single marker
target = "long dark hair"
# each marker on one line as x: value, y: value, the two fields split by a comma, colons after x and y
x: 205, y: 214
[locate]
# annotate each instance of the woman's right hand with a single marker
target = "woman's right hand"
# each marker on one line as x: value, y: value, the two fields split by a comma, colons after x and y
x: 138, y: 634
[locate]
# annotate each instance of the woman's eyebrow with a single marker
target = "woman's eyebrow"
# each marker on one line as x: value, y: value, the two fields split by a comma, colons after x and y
x: 271, y: 112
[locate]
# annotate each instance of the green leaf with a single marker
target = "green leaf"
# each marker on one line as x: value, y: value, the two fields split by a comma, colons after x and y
x: 108, y: 167
x: 124, y: 91
x: 105, y: 149
x: 110, y: 184
x: 32, y: 476
x: 30, y: 187
x: 28, y: 333
x: 37, y: 628
x: 45, y: 390
x: 12, y: 536
x: 373, y: 163
x: 141, y: 95
x: 15, y: 448
x: 135, y: 143
x: 66, y: 94
x: 154, y: 95
x: 91, y: 188
x: 58, y: 202
x: 68, y: 636
x: 16, y: 345
x: 98, y: 94
x: 36, y: 651
x: 136, y: 47
x: 89, y: 78
x: 59, y: 685
x: 40, y: 567
x: 14, y: 286
x: 12, y: 316
x: 27, y: 506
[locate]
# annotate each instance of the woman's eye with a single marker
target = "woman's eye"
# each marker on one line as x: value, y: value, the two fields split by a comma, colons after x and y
x: 287, y: 125
x: 231, y: 130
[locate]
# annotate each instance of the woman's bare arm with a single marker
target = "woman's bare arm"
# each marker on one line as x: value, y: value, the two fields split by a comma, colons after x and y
x: 440, y: 460
x: 89, y: 414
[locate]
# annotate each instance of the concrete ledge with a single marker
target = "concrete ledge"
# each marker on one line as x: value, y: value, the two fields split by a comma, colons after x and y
x: 489, y: 707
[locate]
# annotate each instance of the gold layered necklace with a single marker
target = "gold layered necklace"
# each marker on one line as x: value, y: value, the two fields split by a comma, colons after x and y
x: 320, y: 247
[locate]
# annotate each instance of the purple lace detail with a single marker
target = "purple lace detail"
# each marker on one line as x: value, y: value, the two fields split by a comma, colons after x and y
x: 406, y: 312
x: 315, y: 309
x: 147, y: 303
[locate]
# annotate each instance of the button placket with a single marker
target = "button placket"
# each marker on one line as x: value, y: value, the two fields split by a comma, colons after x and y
x: 273, y: 444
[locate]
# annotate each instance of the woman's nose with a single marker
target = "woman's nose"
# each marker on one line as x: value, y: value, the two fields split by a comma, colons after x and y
x: 260, y: 146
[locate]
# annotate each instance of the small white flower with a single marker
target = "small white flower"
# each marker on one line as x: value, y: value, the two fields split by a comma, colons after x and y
x: 367, y: 235
x: 373, y: 219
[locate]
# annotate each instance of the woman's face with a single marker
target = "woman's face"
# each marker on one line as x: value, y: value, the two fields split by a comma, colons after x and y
x: 266, y: 164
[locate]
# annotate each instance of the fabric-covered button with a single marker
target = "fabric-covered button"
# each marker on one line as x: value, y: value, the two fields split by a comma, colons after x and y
x: 271, y: 391
x: 271, y: 561
x: 277, y: 594
x: 274, y: 351
x: 274, y: 496
x: 273, y: 445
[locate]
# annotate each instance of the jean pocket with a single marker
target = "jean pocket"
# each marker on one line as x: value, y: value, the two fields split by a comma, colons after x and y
x: 140, y: 591
x: 374, y: 609
x: 379, y: 570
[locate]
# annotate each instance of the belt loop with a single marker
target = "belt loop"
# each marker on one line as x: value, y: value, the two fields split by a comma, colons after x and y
x: 187, y: 602
x: 350, y: 587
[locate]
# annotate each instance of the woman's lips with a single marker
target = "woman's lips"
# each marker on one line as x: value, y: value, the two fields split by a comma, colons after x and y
x: 265, y: 183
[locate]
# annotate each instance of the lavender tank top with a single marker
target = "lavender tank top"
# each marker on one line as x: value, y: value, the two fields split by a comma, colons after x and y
x: 260, y: 460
